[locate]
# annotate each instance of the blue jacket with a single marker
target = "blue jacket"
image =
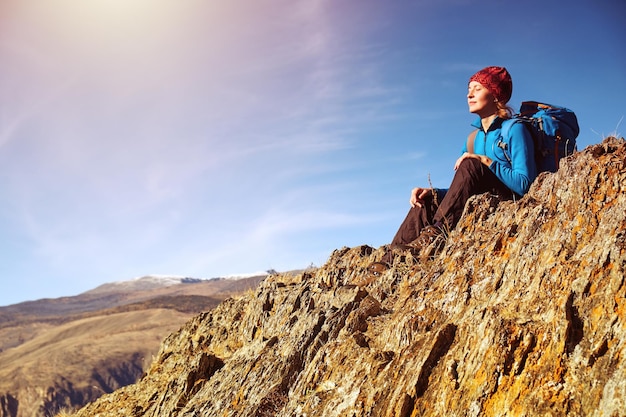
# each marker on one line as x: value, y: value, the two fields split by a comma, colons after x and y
x: 513, y: 158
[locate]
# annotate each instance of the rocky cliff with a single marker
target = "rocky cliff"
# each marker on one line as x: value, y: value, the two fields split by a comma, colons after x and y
x: 521, y: 314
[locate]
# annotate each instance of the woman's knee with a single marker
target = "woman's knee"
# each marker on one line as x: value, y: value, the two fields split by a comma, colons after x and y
x: 470, y: 164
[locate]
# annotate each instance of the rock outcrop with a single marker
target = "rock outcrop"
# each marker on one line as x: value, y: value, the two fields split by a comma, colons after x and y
x: 523, y: 313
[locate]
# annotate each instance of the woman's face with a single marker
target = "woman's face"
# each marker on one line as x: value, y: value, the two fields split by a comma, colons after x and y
x: 480, y: 100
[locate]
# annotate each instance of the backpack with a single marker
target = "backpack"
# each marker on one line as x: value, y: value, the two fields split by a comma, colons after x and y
x: 553, y: 128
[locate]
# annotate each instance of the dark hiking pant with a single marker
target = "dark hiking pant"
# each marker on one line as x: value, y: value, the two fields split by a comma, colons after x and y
x: 472, y: 177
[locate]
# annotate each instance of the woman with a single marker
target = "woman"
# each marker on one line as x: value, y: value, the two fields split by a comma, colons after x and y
x: 489, y: 163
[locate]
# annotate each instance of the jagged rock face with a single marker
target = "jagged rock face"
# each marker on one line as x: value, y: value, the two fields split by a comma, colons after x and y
x: 522, y: 314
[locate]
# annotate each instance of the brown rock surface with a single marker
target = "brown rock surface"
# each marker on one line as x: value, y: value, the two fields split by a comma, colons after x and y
x: 523, y: 313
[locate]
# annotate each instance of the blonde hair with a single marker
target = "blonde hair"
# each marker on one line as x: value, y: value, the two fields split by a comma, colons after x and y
x: 504, y: 110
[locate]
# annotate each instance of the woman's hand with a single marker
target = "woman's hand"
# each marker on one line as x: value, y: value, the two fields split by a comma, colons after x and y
x: 417, y: 196
x: 482, y: 158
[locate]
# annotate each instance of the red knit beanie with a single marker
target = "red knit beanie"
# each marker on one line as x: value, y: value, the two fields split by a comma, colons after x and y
x: 497, y: 80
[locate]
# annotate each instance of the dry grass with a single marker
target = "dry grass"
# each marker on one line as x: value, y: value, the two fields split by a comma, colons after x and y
x: 73, y: 350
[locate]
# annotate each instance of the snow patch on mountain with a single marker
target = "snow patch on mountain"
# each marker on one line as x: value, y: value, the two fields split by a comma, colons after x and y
x: 154, y: 281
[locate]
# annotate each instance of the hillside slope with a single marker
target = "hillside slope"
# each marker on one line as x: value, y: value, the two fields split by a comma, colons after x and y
x: 118, y: 294
x: 61, y: 353
x: 59, y: 368
x: 523, y: 313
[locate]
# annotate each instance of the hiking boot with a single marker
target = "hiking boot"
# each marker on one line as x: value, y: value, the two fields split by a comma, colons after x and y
x: 397, y: 248
x: 430, y: 241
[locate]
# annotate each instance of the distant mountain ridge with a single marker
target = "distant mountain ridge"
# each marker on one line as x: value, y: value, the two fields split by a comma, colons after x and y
x: 119, y: 293
x: 148, y: 282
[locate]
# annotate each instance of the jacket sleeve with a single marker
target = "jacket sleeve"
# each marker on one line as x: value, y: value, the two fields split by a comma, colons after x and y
x: 519, y: 171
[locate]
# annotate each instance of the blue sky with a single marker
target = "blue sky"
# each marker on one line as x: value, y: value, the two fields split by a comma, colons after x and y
x: 205, y: 138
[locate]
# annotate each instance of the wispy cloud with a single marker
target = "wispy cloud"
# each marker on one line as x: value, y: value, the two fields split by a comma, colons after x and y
x: 193, y: 130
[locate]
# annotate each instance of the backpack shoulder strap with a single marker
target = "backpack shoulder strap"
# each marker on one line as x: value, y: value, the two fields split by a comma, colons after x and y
x: 504, y: 132
x: 507, y: 125
x: 470, y: 141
